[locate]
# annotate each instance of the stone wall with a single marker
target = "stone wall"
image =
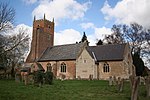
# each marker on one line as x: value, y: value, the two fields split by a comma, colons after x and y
x: 116, y: 68
x: 85, y: 66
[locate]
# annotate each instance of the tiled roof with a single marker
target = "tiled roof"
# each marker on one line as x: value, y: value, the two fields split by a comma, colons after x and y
x: 62, y: 52
x: 108, y: 52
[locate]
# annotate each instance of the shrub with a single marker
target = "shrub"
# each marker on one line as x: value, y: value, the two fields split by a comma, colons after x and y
x: 38, y: 78
x: 48, y: 77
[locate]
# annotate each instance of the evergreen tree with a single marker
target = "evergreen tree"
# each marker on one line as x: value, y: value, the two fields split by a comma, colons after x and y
x: 138, y: 63
x: 84, y: 38
x: 100, y: 42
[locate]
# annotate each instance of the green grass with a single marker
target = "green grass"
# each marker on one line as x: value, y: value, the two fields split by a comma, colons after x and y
x: 66, y: 90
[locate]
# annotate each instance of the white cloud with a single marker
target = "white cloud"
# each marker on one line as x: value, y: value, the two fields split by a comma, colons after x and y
x: 27, y: 28
x: 101, y: 32
x: 66, y: 37
x: 61, y: 9
x: 87, y: 25
x: 19, y: 28
x: 128, y: 11
x: 29, y: 1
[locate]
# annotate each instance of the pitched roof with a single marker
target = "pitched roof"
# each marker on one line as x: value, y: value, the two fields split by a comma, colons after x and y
x: 108, y: 52
x: 62, y: 52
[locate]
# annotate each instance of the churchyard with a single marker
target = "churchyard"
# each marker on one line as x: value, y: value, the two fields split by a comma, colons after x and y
x: 68, y: 90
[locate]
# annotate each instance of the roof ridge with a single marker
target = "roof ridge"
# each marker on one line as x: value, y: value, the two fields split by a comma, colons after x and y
x: 66, y: 44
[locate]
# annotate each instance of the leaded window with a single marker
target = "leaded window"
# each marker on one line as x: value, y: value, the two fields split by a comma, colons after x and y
x: 63, y: 67
x: 106, y: 67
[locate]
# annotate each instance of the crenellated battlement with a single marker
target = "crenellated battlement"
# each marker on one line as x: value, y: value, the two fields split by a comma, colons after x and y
x: 41, y: 20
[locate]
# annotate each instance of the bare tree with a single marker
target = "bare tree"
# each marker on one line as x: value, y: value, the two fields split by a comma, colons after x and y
x: 7, y: 15
x: 137, y: 36
x: 116, y: 37
x: 16, y: 48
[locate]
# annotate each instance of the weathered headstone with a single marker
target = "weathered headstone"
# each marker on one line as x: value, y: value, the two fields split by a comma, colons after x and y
x: 62, y: 77
x: 110, y: 81
x: 26, y: 78
x: 17, y: 77
x: 122, y: 85
x: 118, y: 84
x: 90, y: 77
x: 31, y: 79
x: 79, y: 78
x: 114, y: 80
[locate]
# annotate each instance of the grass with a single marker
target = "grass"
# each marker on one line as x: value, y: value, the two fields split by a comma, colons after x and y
x: 66, y: 90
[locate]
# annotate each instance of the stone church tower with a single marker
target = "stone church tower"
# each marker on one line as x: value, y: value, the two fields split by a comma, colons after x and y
x: 42, y: 37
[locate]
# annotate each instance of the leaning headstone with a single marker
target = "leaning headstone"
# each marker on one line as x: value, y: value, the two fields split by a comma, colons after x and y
x: 110, y: 81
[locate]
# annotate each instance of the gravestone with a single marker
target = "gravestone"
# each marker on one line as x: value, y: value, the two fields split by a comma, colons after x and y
x: 79, y: 78
x: 110, y: 81
x: 17, y: 77
x: 114, y: 80
x: 26, y: 78
x: 90, y: 77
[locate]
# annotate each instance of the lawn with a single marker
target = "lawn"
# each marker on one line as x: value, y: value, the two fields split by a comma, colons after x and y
x: 66, y: 90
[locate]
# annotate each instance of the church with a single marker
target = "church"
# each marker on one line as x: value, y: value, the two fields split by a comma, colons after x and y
x: 78, y: 60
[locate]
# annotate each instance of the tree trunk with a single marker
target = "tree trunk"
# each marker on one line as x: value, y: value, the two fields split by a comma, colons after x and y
x: 135, y: 86
x: 148, y: 86
x: 12, y: 70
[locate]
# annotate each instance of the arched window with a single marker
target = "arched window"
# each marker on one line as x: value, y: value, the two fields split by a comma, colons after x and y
x: 106, y: 67
x: 63, y: 67
x: 49, y: 67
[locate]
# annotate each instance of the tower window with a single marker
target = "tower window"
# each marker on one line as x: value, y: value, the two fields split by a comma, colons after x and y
x: 63, y: 67
x: 106, y: 67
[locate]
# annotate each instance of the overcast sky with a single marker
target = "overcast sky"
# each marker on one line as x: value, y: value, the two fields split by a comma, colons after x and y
x: 73, y: 17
